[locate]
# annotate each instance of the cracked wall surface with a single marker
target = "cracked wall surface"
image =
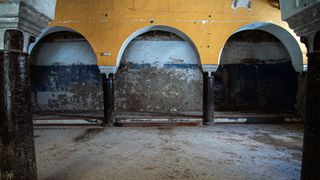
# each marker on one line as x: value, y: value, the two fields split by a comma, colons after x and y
x: 65, y: 76
x: 159, y: 74
x: 208, y: 23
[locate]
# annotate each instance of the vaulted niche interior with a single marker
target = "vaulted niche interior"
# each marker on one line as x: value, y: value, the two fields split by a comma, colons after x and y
x: 255, y: 75
x: 64, y: 74
x: 159, y: 73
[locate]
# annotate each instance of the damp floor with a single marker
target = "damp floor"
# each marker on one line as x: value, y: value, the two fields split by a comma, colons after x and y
x: 143, y: 153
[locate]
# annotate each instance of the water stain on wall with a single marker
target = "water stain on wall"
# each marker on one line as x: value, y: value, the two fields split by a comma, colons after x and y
x: 159, y: 73
x: 255, y: 74
x: 64, y: 74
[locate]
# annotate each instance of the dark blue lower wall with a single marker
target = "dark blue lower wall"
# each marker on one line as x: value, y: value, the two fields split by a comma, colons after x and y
x: 256, y: 87
x: 66, y: 88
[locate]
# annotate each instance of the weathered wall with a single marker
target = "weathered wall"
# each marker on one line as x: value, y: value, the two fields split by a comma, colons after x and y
x: 65, y: 76
x: 107, y: 24
x: 256, y: 74
x: 159, y: 74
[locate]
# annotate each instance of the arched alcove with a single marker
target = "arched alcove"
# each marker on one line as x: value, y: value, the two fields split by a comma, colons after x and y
x: 257, y: 73
x: 287, y: 39
x: 159, y: 71
x: 64, y: 73
x: 172, y: 30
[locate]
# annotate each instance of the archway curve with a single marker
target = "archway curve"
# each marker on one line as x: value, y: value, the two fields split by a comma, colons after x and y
x: 63, y: 68
x: 289, y: 42
x: 173, y: 30
x: 55, y: 29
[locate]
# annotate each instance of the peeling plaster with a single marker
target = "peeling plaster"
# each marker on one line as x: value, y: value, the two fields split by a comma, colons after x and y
x: 65, y: 76
x: 159, y: 76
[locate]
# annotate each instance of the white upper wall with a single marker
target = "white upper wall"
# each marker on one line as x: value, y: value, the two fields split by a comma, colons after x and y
x: 64, y: 53
x: 158, y: 53
x: 271, y: 52
x: 287, y: 39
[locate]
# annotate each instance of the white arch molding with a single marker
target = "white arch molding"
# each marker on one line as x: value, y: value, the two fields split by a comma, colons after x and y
x: 139, y: 32
x: 47, y: 31
x: 85, y: 48
x: 287, y: 39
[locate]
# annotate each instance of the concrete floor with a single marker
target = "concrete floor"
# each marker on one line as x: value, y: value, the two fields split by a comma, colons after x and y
x: 204, y: 152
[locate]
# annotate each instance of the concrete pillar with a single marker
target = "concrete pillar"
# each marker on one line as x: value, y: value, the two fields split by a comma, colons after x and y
x: 311, y: 143
x: 110, y: 94
x: 298, y: 14
x: 16, y: 128
x: 21, y: 20
x: 208, y: 99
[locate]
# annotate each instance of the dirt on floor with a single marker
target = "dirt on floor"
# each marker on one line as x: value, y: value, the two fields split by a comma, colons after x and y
x: 204, y: 152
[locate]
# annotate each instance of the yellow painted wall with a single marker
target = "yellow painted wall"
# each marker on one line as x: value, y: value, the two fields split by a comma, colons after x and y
x: 106, y: 24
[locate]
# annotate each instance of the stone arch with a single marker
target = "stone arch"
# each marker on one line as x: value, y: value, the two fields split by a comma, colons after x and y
x: 287, y: 39
x: 50, y: 30
x: 258, y: 70
x: 141, y: 31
